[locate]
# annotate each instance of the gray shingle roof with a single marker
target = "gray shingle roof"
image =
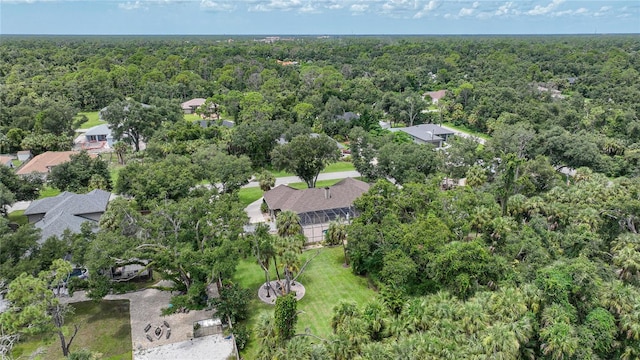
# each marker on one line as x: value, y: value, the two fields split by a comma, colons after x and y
x: 341, y: 195
x: 425, y: 132
x: 66, y: 211
x: 99, y: 130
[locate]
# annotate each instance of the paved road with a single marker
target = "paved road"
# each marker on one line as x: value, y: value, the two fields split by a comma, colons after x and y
x: 325, y: 176
x: 464, y: 134
x: 19, y: 205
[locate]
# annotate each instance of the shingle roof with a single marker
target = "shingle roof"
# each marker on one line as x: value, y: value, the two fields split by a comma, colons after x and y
x: 103, y: 129
x: 425, y: 132
x: 5, y: 160
x: 43, y: 162
x: 193, y: 103
x: 66, y: 211
x: 341, y: 195
x: 347, y: 116
x: 436, y: 95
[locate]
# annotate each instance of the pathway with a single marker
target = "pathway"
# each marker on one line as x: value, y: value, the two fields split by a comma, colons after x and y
x: 323, y: 176
x: 464, y: 134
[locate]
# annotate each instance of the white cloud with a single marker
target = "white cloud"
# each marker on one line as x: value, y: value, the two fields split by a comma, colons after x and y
x: 504, y: 9
x: 332, y: 5
x: 466, y: 12
x: 131, y: 5
x: 309, y: 9
x: 283, y: 5
x: 426, y: 9
x: 216, y: 5
x: 543, y: 10
x: 359, y: 8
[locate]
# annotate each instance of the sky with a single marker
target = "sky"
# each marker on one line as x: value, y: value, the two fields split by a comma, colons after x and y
x: 317, y: 17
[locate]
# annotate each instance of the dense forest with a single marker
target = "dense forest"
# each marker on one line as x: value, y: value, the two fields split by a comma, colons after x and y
x: 524, y: 261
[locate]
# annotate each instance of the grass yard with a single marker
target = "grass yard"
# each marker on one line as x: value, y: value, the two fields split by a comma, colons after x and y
x: 192, y: 117
x: 468, y: 131
x: 18, y: 217
x: 93, y: 119
x: 319, y: 183
x: 48, y: 191
x: 339, y: 166
x: 114, y: 169
x: 104, y: 328
x: 327, y: 283
x: 249, y: 195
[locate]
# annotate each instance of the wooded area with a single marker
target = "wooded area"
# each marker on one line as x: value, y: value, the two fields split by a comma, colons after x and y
x: 524, y: 261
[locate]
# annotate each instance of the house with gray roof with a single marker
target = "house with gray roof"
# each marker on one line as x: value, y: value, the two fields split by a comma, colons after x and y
x: 426, y: 134
x: 317, y: 205
x: 190, y: 107
x: 99, y: 134
x: 67, y: 211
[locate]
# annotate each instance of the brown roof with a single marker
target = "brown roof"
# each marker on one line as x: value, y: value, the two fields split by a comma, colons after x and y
x: 5, y: 160
x: 197, y: 102
x: 341, y: 195
x: 45, y: 161
x: 437, y: 95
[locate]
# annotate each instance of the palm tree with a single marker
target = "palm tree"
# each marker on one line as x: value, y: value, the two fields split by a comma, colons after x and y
x: 626, y: 256
x: 288, y: 223
x: 266, y: 180
x: 264, y: 251
x: 121, y: 149
x: 265, y: 331
x: 559, y: 341
x: 337, y: 234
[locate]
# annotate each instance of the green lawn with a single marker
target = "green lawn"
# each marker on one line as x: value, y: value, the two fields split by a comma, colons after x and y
x: 327, y: 283
x: 339, y: 166
x: 249, y: 195
x: 192, y: 117
x: 113, y: 173
x: 319, y: 184
x: 104, y: 327
x: 93, y: 120
x: 48, y: 191
x: 467, y: 130
x: 18, y: 217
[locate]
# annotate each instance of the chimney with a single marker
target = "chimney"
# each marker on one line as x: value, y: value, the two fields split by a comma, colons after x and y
x: 327, y: 193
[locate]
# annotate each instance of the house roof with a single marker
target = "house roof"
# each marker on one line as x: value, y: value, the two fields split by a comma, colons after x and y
x: 436, y: 95
x: 341, y: 195
x: 103, y: 129
x: 5, y: 160
x: 66, y: 211
x: 24, y: 152
x: 425, y: 132
x: 348, y: 116
x: 193, y: 103
x: 43, y: 162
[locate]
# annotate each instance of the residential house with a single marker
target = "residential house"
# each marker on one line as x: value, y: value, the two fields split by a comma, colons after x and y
x: 24, y: 155
x: 317, y: 205
x: 43, y: 163
x: 435, y: 95
x: 348, y: 116
x: 426, y: 134
x: 98, y: 136
x: 6, y: 161
x: 67, y: 211
x: 190, y: 107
